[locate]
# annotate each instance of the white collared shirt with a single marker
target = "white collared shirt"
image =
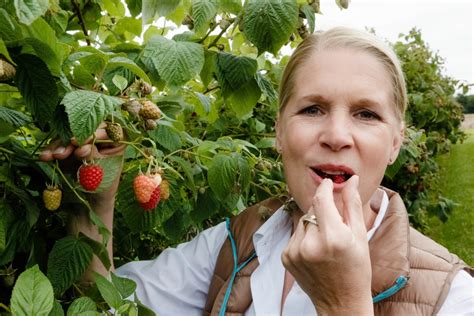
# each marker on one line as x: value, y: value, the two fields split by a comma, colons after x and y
x: 176, y: 283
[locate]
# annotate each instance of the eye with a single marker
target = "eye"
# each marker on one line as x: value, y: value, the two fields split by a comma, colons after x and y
x: 368, y: 115
x: 312, y: 110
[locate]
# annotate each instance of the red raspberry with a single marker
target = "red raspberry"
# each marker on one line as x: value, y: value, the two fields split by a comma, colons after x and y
x: 143, y: 186
x: 154, y: 200
x: 90, y: 176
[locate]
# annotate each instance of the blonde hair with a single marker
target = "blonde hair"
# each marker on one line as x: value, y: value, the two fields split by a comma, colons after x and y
x: 343, y: 37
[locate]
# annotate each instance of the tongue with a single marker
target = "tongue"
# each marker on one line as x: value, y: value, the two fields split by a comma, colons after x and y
x: 338, y: 178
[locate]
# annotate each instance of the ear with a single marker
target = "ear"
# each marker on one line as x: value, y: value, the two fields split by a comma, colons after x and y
x: 278, y: 141
x: 397, y: 143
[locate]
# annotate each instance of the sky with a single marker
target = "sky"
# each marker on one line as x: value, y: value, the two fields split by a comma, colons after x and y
x: 446, y: 25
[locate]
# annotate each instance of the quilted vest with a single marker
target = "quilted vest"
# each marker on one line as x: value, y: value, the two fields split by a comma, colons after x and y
x: 396, y: 250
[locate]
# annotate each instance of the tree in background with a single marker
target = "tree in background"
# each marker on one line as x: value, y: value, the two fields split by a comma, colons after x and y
x: 467, y: 101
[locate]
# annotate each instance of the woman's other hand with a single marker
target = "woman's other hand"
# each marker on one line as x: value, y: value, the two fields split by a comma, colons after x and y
x: 330, y: 260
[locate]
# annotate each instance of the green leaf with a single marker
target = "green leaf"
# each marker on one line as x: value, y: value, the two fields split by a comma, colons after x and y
x: 176, y: 62
x: 98, y: 249
x: 202, y: 12
x: 243, y: 100
x: 15, y: 118
x: 205, y: 206
x: 268, y: 24
x: 80, y: 305
x: 10, y: 30
x: 120, y: 82
x: 32, y: 294
x: 128, y: 64
x: 222, y: 175
x: 267, y: 88
x: 4, y: 51
x: 209, y: 68
x: 67, y: 262
x: 113, y: 7
x: 150, y: 8
x: 60, y: 125
x: 3, y: 233
x: 108, y: 291
x: 234, y: 71
x: 37, y: 86
x: 29, y: 10
x: 267, y: 142
x: 167, y: 137
x: 309, y: 14
x: 231, y: 6
x: 57, y: 309
x: 243, y: 172
x: 46, y: 45
x: 126, y: 287
x: 86, y: 110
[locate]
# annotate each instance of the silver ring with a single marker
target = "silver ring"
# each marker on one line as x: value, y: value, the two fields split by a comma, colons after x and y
x: 309, y: 218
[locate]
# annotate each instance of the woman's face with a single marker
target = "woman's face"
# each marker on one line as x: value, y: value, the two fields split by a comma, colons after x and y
x: 339, y: 121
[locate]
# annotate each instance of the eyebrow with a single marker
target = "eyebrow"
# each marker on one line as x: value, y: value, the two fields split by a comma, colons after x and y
x: 362, y: 101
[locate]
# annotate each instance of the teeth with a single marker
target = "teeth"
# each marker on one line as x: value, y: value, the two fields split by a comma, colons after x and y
x: 333, y: 172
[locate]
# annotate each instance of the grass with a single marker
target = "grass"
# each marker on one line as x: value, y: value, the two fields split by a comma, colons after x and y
x: 457, y: 183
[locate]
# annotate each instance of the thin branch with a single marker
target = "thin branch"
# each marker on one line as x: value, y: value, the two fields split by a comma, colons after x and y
x: 81, y: 21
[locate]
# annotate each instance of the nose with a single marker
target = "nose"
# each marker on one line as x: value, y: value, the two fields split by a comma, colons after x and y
x: 336, y: 133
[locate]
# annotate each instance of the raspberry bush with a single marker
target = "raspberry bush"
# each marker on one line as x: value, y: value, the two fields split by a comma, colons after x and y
x: 192, y: 86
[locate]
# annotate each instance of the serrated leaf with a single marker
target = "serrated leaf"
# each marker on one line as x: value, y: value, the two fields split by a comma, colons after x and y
x: 29, y: 10
x: 46, y: 45
x: 15, y: 118
x: 205, y: 206
x: 167, y: 137
x: 81, y: 305
x: 186, y: 169
x: 98, y: 249
x: 128, y: 64
x: 113, y: 7
x: 267, y: 89
x: 10, y: 30
x: 67, y: 262
x: 32, y: 294
x: 3, y: 233
x: 267, y: 142
x: 243, y: 100
x: 150, y: 8
x: 126, y: 287
x: 209, y: 68
x: 202, y: 12
x: 37, y: 86
x: 176, y: 62
x: 120, y: 82
x: 310, y: 16
x: 4, y: 51
x: 108, y: 291
x: 174, y: 227
x: 268, y: 24
x: 234, y: 71
x: 57, y: 309
x: 86, y: 110
x: 243, y: 172
x: 60, y: 124
x: 222, y: 175
x: 231, y: 6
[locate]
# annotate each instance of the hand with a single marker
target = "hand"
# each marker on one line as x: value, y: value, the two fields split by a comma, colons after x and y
x: 331, y: 261
x: 72, y: 154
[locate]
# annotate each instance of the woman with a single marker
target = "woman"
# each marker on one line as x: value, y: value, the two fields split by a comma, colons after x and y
x: 344, y: 239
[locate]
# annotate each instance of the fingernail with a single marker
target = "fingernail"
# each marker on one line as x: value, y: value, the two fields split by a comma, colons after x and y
x: 59, y: 150
x: 46, y: 152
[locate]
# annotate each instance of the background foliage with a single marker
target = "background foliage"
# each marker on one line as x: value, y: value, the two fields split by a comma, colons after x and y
x: 68, y: 65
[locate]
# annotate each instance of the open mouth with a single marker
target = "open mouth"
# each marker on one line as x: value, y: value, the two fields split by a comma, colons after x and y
x: 337, y: 176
